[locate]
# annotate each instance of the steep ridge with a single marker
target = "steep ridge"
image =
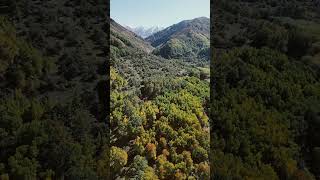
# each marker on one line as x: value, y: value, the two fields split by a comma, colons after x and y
x: 187, y: 39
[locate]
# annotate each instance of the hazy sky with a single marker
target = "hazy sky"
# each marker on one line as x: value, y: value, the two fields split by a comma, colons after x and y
x: 157, y: 12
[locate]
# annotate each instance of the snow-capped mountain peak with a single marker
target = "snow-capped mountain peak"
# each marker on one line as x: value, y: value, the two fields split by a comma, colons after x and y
x: 143, y: 31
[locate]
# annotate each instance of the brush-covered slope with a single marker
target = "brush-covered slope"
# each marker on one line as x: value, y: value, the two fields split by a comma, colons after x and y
x: 187, y: 39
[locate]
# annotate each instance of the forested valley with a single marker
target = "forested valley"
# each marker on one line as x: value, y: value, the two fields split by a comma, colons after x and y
x: 159, y: 102
x: 265, y: 90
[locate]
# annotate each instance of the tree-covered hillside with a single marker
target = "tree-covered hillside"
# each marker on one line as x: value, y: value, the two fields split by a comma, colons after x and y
x: 265, y: 90
x: 189, y: 40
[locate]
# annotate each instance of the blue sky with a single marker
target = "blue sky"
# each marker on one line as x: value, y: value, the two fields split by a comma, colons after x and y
x: 161, y: 13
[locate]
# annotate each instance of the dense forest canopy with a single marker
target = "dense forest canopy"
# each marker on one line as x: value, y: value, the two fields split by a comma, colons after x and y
x: 52, y: 113
x: 265, y: 90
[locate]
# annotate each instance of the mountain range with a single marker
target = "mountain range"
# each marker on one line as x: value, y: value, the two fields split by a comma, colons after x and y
x: 139, y: 58
x: 188, y: 40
